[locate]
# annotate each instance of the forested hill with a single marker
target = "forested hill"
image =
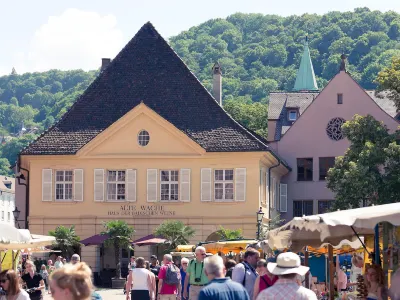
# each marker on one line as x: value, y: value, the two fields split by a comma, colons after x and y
x: 258, y: 54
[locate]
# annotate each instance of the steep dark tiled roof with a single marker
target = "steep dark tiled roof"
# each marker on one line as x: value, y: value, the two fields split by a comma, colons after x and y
x: 147, y: 70
x: 278, y: 108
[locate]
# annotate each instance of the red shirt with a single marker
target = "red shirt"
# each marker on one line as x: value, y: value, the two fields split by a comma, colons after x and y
x: 266, y: 282
x: 166, y: 289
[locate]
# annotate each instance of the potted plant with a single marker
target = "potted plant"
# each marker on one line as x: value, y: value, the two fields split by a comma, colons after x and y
x: 119, y: 236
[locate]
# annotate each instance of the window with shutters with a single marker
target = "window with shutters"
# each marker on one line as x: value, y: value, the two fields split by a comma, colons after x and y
x: 2, y: 215
x: 116, y: 185
x: 63, y: 184
x: 8, y: 217
x: 304, y: 169
x: 223, y: 185
x: 169, y: 185
x: 303, y: 208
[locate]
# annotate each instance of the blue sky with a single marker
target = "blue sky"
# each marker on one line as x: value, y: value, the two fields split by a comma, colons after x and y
x: 38, y: 35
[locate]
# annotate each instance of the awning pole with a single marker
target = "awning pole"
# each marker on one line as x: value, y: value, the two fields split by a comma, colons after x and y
x: 362, y: 243
x: 5, y: 253
x: 306, y: 263
x: 331, y: 273
x: 377, y: 256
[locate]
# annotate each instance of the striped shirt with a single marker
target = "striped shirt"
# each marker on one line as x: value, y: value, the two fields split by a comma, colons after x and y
x: 287, y: 289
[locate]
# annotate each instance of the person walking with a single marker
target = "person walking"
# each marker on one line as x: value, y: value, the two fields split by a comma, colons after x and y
x: 169, y: 286
x: 155, y: 269
x: 75, y: 258
x: 33, y: 281
x: 195, y: 275
x: 184, y: 266
x: 58, y: 264
x: 220, y: 287
x: 45, y: 275
x: 72, y: 282
x: 139, y: 282
x: 265, y: 278
x: 245, y: 272
x: 229, y: 266
x: 287, y: 267
x: 9, y: 282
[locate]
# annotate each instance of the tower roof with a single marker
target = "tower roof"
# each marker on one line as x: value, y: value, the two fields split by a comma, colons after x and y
x: 305, y: 80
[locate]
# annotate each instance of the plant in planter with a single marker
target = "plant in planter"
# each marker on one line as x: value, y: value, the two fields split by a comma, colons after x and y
x: 119, y: 236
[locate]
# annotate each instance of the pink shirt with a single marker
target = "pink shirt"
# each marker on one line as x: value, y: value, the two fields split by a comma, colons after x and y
x: 166, y: 289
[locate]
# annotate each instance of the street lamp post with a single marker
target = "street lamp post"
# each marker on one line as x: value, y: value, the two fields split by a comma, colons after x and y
x: 16, y: 213
x: 260, y: 215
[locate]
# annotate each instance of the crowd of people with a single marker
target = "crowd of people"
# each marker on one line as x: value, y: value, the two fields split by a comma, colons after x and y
x: 65, y: 281
x: 217, y: 278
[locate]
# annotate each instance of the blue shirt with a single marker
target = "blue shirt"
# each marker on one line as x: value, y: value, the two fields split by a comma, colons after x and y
x: 223, y: 289
x: 183, y: 276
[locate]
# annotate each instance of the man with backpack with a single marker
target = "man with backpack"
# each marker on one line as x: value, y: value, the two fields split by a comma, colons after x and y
x: 245, y: 272
x: 169, y: 285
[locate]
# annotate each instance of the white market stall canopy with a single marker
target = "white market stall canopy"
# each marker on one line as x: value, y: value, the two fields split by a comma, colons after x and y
x: 332, y: 227
x: 12, y: 238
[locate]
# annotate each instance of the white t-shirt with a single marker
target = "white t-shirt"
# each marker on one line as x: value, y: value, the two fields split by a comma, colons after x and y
x: 23, y: 295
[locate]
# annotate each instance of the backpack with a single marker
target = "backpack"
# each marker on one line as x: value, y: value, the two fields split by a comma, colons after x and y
x: 173, y: 275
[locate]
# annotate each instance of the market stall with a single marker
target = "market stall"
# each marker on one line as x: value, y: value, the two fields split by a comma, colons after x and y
x: 332, y: 228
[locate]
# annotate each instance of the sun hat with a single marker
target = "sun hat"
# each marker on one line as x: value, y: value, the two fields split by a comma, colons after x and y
x: 287, y: 263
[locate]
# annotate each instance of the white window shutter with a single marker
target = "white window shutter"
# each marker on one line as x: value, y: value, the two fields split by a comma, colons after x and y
x: 130, y: 183
x: 151, y: 185
x: 240, y: 184
x: 185, y: 185
x: 47, y: 183
x: 78, y: 185
x: 277, y: 196
x: 98, y: 184
x: 205, y: 184
x: 283, y: 197
x: 273, y: 193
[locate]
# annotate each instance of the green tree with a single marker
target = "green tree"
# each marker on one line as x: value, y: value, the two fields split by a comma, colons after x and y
x: 5, y: 167
x: 119, y: 237
x: 175, y: 232
x: 229, y: 234
x: 11, y: 149
x: 66, y: 240
x: 389, y: 79
x: 252, y: 115
x: 368, y: 173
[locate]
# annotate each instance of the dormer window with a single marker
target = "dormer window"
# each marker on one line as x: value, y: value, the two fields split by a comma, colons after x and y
x: 292, y: 115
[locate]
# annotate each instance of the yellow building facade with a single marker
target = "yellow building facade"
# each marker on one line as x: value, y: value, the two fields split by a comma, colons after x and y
x: 123, y: 152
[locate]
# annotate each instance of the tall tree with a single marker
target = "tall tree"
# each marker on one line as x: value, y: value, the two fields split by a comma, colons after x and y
x: 368, y: 173
x: 119, y: 236
x: 389, y: 79
x: 66, y: 240
x: 175, y: 232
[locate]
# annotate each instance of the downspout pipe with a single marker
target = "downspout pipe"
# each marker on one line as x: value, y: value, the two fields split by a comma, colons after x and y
x: 26, y: 189
x: 269, y: 186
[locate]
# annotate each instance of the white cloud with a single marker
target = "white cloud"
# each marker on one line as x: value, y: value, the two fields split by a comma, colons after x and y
x: 73, y: 40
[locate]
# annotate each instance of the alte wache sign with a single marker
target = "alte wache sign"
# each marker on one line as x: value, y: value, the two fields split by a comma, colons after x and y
x: 142, y: 211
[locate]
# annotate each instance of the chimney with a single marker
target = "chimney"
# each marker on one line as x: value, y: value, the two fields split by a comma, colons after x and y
x: 343, y: 63
x: 104, y: 63
x: 217, y: 83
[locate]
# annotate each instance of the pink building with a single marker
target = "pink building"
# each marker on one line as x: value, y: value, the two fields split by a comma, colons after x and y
x: 304, y: 127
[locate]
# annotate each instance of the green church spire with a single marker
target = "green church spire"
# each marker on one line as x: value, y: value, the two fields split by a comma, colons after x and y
x: 305, y: 80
